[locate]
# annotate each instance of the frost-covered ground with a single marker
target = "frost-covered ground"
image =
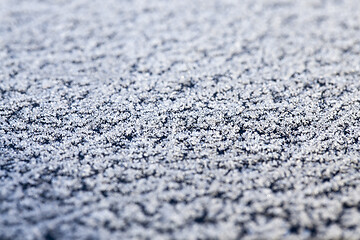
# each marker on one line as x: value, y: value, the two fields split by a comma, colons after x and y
x: 179, y: 119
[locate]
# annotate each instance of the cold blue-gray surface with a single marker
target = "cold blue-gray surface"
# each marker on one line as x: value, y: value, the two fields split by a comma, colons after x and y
x: 179, y: 119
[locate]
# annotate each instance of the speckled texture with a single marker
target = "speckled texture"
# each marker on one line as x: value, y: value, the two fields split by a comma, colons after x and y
x: 179, y: 119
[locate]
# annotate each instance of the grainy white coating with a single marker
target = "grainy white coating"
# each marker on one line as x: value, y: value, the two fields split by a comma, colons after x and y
x: 179, y: 119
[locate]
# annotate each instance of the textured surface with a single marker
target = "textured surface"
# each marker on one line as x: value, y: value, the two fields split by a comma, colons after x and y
x: 186, y: 119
